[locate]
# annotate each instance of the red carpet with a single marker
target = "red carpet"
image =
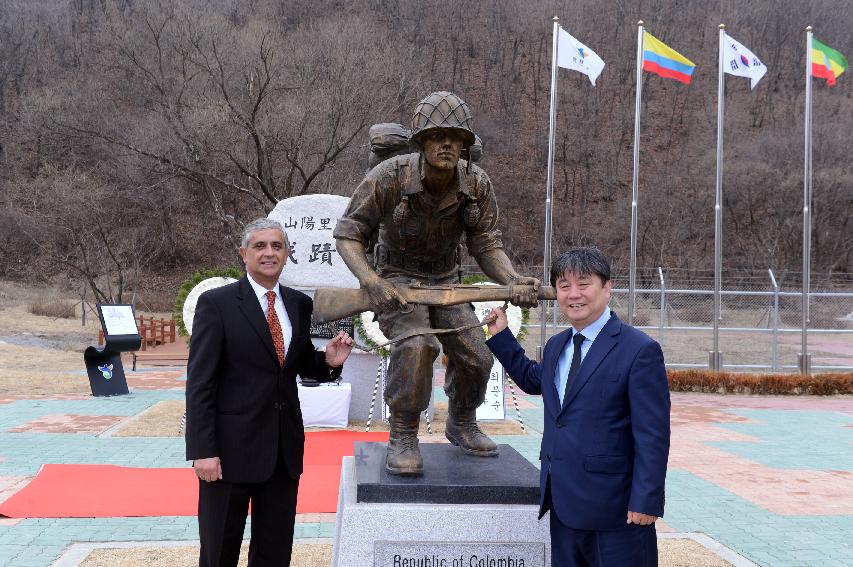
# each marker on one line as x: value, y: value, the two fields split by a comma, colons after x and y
x: 94, y: 491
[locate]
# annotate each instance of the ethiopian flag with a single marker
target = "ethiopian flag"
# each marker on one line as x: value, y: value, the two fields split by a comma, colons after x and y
x: 661, y: 59
x: 826, y: 62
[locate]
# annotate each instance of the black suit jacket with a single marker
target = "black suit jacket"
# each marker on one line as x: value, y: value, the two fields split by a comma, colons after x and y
x: 242, y: 406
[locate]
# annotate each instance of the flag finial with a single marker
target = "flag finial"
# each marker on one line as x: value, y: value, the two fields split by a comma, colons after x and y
x: 556, y: 18
x: 808, y: 28
x: 641, y: 22
x: 722, y: 26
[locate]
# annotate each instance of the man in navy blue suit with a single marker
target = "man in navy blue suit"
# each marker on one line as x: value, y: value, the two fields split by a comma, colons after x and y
x: 606, y: 439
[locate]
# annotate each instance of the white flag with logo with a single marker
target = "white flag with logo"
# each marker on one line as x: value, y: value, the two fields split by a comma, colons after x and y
x: 740, y: 61
x: 572, y: 54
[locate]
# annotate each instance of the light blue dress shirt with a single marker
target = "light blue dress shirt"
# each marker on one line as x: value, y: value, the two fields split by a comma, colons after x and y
x: 564, y: 363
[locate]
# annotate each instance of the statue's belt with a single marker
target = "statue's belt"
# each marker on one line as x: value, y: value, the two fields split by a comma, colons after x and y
x: 395, y: 259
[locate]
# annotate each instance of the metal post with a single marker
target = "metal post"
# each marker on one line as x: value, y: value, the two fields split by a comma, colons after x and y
x: 774, y: 364
x: 716, y: 358
x: 662, y: 306
x: 632, y: 270
x: 803, y: 358
x: 549, y: 183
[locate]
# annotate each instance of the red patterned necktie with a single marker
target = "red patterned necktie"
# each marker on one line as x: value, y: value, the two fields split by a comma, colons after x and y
x: 275, y: 327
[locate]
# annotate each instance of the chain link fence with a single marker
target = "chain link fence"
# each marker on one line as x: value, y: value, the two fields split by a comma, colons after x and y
x: 760, y: 327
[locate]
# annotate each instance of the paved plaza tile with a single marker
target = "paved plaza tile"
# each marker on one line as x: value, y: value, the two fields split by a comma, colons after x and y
x: 770, y: 478
x: 69, y: 423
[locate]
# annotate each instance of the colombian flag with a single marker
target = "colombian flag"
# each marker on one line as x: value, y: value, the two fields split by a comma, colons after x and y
x: 660, y: 58
x: 826, y: 62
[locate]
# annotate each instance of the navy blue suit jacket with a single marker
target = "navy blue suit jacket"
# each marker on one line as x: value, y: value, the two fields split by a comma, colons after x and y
x: 606, y: 447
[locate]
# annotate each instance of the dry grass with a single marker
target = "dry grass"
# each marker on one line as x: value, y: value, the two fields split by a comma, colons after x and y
x: 687, y: 553
x: 17, y: 319
x: 164, y: 419
x: 672, y: 553
x: 24, y: 382
x: 40, y: 371
x: 160, y: 420
x: 304, y: 555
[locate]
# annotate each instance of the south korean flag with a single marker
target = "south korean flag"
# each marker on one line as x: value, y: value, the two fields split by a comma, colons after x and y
x: 740, y: 61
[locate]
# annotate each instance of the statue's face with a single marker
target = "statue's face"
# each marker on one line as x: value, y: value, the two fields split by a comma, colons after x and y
x: 442, y: 148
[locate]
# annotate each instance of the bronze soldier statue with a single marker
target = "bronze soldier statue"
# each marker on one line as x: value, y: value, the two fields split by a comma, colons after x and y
x: 420, y: 206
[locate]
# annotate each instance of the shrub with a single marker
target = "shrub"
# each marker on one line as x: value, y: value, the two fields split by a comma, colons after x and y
x: 56, y: 308
x: 706, y: 381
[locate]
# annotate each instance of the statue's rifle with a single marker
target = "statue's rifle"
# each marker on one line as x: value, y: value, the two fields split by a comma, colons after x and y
x: 331, y: 304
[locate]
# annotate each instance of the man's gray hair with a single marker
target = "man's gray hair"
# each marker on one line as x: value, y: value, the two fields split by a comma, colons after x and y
x: 262, y: 224
x: 581, y: 261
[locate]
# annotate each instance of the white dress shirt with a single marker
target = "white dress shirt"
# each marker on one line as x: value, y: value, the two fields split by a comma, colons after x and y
x: 284, y: 320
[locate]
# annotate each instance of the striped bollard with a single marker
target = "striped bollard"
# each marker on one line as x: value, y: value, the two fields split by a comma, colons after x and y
x: 515, y: 402
x: 373, y: 397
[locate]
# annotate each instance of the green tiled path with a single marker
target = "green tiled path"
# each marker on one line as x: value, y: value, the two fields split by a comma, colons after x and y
x: 771, y: 478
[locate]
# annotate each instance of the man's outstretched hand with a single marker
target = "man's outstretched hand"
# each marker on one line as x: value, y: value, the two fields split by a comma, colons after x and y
x: 497, y: 321
x: 338, y: 349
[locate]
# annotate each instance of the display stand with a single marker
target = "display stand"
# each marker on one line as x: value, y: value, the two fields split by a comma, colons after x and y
x: 103, y: 364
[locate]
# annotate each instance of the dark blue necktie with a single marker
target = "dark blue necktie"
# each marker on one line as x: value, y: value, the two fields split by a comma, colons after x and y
x: 578, y: 340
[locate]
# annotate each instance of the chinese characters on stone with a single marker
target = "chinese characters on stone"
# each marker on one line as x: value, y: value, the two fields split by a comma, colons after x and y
x: 319, y: 252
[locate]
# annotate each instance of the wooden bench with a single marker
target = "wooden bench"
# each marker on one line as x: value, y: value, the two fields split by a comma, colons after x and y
x: 157, y: 357
x: 153, y: 332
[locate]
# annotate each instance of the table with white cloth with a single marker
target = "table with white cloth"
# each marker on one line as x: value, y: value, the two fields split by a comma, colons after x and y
x: 326, y: 405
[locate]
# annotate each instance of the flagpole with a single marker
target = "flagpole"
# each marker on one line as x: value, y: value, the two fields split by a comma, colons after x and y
x: 716, y: 358
x: 805, y: 366
x: 632, y: 270
x: 549, y: 184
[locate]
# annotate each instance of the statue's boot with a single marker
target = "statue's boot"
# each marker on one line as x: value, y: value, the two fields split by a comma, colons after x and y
x: 461, y: 429
x: 403, y: 456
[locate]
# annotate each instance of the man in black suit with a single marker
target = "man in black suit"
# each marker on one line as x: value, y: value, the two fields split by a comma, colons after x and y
x: 244, y: 429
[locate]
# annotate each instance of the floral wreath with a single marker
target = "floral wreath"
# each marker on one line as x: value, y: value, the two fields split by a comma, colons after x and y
x: 190, y: 284
x: 368, y: 327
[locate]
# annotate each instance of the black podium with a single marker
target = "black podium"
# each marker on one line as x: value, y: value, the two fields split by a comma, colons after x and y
x: 103, y: 364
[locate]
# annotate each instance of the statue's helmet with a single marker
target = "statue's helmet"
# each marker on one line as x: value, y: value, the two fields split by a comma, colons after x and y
x: 443, y: 110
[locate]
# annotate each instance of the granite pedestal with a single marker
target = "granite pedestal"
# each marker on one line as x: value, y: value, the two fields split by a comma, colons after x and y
x: 464, y: 511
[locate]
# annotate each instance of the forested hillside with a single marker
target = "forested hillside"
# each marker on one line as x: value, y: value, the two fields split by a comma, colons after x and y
x: 137, y: 137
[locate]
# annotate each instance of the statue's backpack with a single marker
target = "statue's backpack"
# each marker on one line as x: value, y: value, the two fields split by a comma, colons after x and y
x: 389, y: 139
